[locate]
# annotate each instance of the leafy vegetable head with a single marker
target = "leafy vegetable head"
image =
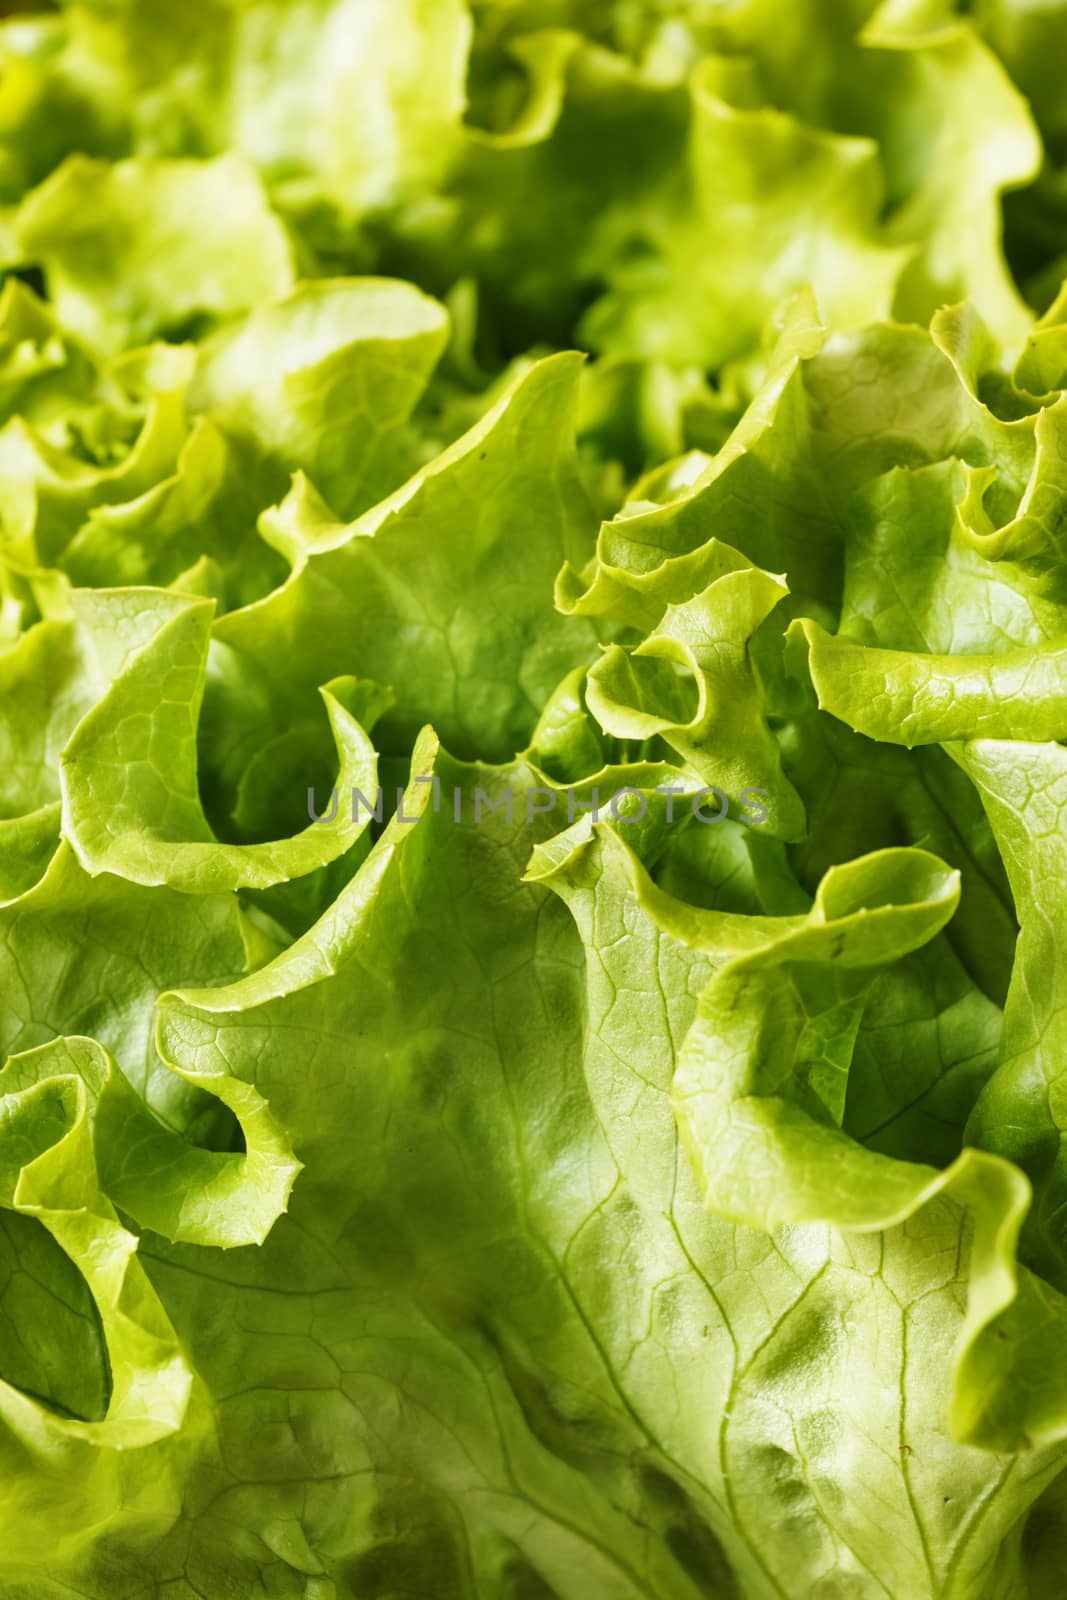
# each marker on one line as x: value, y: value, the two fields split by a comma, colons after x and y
x: 533, y: 691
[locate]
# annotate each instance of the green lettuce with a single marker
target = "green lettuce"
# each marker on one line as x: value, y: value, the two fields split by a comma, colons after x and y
x: 533, y: 706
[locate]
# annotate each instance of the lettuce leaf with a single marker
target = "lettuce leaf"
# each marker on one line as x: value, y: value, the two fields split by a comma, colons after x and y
x: 533, y: 706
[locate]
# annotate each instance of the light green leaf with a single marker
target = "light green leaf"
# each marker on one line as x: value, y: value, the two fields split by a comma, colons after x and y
x: 901, y: 697
x: 766, y: 206
x: 691, y: 682
x: 1020, y: 1113
x: 205, y: 510
x: 131, y: 803
x: 325, y: 381
x: 47, y: 1171
x: 388, y: 596
x: 121, y: 260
